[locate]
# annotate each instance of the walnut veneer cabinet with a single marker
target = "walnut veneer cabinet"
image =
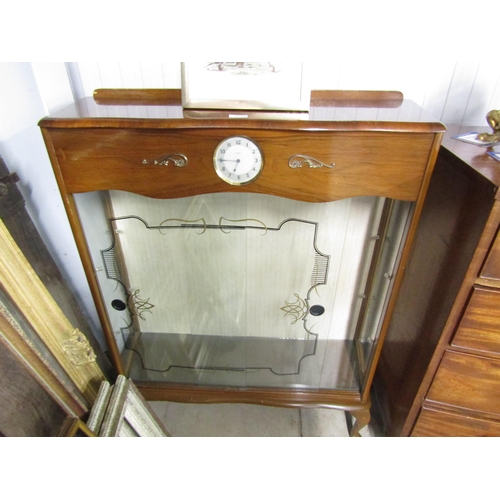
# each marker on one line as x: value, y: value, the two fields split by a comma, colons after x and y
x: 277, y: 291
x: 439, y: 373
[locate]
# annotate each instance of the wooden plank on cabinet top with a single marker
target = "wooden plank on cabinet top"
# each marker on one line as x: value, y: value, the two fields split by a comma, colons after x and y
x: 161, y: 96
x: 479, y: 328
x: 435, y: 423
x: 467, y: 381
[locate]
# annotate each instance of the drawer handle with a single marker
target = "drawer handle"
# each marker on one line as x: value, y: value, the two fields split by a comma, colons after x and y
x: 178, y: 159
x: 298, y: 161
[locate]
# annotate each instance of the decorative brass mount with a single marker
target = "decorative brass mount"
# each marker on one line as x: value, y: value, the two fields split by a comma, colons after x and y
x: 298, y: 161
x: 178, y: 159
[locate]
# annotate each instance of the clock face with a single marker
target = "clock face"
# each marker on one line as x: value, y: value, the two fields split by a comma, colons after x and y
x: 238, y: 160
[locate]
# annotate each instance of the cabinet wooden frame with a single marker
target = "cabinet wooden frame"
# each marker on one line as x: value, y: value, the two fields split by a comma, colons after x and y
x: 70, y: 141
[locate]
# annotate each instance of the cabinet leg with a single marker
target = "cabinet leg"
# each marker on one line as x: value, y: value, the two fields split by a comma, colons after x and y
x: 362, y: 419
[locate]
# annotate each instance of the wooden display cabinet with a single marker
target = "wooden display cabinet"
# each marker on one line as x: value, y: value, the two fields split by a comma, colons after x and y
x: 275, y: 292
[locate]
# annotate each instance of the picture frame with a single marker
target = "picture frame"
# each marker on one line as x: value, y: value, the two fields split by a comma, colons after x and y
x: 66, y: 344
x: 121, y: 411
x: 270, y: 86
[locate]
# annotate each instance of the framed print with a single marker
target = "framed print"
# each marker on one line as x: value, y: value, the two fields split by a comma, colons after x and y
x: 271, y: 86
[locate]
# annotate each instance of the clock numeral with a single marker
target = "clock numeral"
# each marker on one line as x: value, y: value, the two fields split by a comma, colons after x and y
x: 238, y: 142
x: 256, y: 160
x: 222, y: 151
x: 248, y: 175
x: 228, y: 145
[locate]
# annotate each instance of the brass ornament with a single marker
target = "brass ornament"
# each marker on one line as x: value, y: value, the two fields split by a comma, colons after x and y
x: 178, y: 159
x: 298, y: 161
x: 493, y: 119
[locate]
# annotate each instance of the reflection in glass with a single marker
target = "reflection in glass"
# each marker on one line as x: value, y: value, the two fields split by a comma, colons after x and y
x: 243, y: 290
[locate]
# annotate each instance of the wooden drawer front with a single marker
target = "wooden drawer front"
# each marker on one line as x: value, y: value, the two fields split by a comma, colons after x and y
x: 467, y: 381
x: 437, y: 423
x: 491, y: 268
x: 480, y: 325
x: 366, y: 163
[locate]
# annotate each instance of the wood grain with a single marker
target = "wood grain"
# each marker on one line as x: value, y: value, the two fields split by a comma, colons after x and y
x: 103, y: 159
x: 435, y: 423
x: 285, y: 398
x: 143, y: 97
x: 149, y: 97
x: 479, y: 329
x: 467, y: 381
x: 491, y: 268
x: 357, y: 98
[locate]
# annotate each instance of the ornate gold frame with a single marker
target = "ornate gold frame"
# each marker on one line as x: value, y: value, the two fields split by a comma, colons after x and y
x: 67, y: 344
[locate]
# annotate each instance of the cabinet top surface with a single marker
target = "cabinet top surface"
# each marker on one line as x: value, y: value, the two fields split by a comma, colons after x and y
x: 325, y: 113
x: 475, y: 156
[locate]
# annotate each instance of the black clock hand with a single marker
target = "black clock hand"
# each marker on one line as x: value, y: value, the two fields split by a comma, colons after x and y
x: 227, y: 159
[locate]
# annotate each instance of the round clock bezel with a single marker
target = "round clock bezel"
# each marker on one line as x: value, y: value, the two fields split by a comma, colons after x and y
x: 229, y: 181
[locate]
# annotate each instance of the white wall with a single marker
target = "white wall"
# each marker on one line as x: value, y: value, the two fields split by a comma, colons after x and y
x: 453, y: 92
x: 28, y: 92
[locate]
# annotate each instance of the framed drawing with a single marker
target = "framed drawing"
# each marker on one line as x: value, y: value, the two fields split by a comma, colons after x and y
x: 271, y: 86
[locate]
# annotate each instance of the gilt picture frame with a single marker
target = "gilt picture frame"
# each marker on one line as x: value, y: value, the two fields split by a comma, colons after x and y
x: 69, y: 347
x: 270, y: 86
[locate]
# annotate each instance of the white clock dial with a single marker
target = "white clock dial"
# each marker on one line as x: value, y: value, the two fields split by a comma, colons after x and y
x: 238, y: 160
